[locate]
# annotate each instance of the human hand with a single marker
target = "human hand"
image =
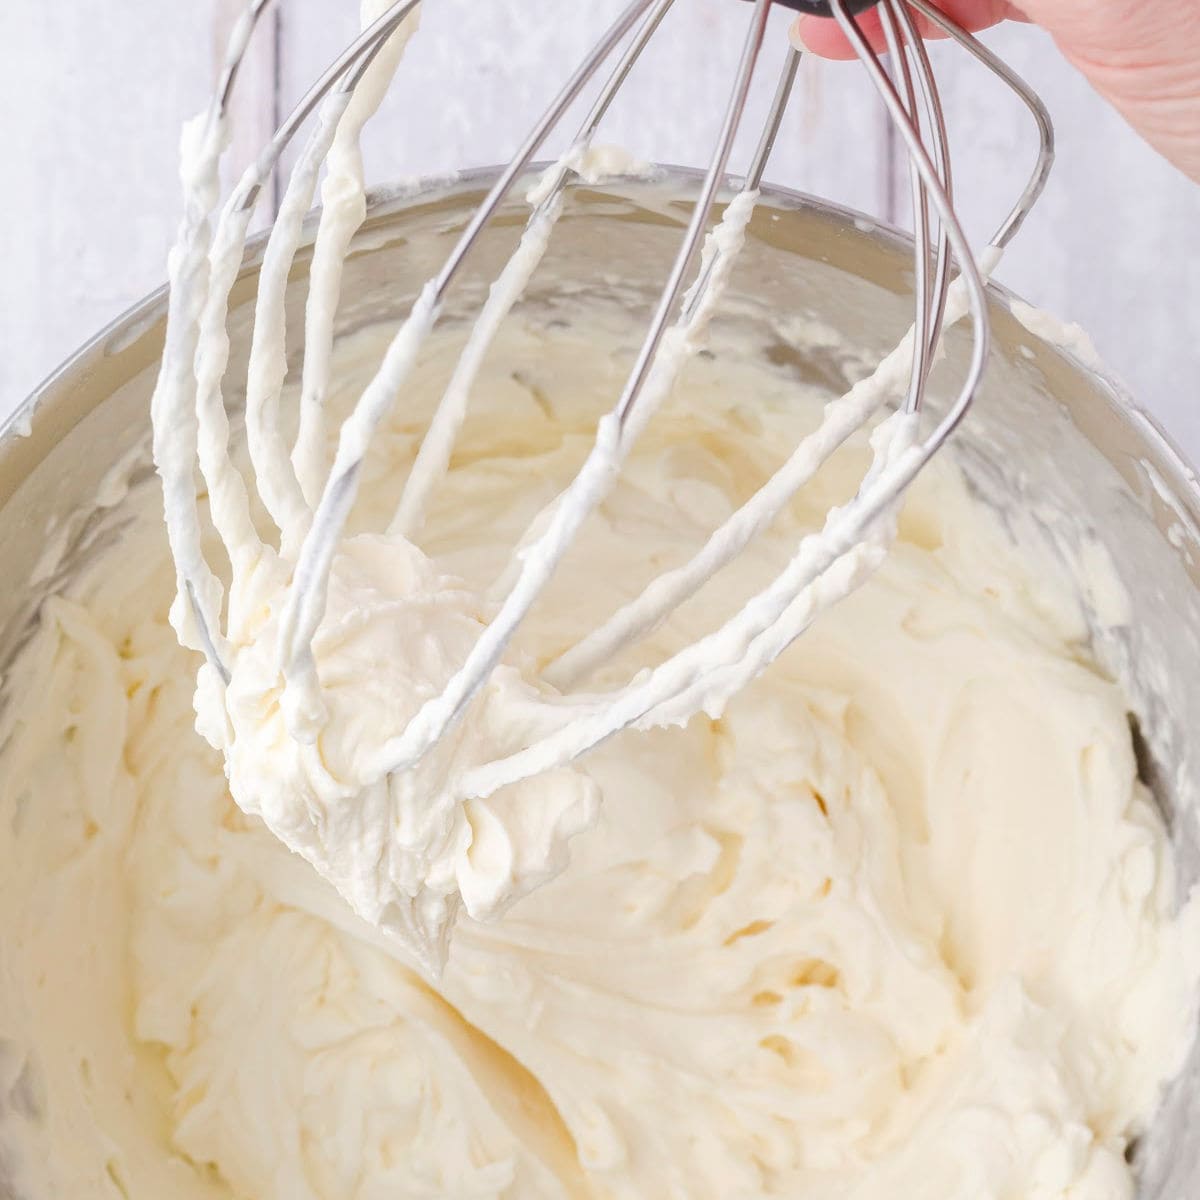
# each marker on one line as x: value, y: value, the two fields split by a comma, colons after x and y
x: 1143, y: 57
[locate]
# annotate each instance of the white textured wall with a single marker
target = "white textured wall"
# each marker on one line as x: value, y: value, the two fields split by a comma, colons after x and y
x: 92, y: 94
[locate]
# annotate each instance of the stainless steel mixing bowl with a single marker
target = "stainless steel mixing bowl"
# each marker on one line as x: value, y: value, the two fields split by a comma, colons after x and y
x: 1053, y: 443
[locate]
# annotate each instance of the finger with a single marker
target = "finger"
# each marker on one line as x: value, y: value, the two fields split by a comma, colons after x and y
x: 822, y: 35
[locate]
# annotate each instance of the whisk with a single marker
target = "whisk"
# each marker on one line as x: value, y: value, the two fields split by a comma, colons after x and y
x: 310, y: 499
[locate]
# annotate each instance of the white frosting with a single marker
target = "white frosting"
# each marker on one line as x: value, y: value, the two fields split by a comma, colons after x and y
x: 892, y: 918
x: 1070, y: 337
x: 402, y: 847
x: 900, y: 922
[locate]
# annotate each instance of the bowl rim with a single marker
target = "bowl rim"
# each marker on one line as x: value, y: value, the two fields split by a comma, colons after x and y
x: 388, y: 200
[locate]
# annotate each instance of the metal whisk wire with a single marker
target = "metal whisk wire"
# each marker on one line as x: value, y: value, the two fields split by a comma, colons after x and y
x: 311, y: 527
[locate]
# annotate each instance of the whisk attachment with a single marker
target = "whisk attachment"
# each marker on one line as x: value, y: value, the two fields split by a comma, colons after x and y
x: 279, y: 589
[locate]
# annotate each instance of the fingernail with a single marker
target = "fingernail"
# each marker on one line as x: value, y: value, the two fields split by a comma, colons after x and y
x: 796, y: 35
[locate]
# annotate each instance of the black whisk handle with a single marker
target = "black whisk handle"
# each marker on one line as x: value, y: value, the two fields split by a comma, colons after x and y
x: 820, y: 8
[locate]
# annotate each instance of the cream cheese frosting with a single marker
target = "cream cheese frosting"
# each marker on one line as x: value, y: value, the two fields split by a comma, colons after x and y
x: 404, y: 848
x: 901, y: 921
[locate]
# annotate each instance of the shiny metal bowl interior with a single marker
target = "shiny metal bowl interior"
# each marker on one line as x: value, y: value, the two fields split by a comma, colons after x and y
x: 1047, y: 428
